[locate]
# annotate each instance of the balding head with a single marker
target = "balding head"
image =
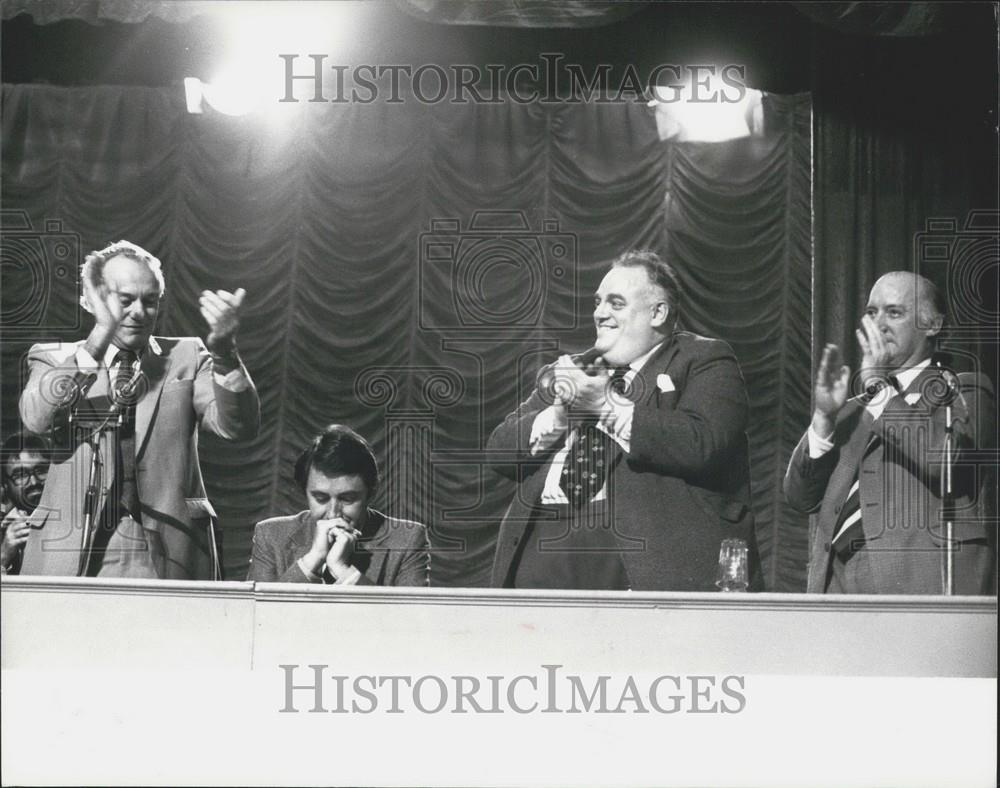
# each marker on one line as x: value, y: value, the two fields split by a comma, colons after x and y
x: 908, y: 312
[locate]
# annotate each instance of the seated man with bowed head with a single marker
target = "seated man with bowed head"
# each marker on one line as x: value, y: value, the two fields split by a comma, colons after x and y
x: 339, y: 540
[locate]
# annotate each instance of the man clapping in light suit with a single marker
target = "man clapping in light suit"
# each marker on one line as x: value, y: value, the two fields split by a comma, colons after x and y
x: 137, y: 401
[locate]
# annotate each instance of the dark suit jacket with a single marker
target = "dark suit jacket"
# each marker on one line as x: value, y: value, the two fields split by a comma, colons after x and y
x: 178, y: 395
x: 900, y: 489
x: 390, y: 552
x: 683, y: 487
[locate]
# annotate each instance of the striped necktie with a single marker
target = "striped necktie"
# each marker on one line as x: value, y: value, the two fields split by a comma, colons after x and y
x: 848, y: 534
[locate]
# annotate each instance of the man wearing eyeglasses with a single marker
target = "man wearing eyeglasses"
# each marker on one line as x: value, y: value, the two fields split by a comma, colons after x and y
x: 25, y: 465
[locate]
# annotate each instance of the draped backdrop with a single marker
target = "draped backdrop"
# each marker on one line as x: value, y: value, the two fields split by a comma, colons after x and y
x: 408, y: 267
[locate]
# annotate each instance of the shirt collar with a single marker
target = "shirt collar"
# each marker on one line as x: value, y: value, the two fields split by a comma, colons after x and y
x: 907, y: 376
x: 112, y: 352
x: 640, y: 362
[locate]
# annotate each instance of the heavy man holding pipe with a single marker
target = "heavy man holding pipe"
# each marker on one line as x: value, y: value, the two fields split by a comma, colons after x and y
x: 632, y: 458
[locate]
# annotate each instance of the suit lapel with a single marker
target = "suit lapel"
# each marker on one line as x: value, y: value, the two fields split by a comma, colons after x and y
x: 858, y: 421
x: 645, y: 379
x: 98, y: 395
x: 153, y: 370
x: 863, y: 440
x: 98, y: 401
x: 645, y: 391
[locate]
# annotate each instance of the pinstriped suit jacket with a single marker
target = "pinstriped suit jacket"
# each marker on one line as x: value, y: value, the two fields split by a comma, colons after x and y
x: 900, y: 475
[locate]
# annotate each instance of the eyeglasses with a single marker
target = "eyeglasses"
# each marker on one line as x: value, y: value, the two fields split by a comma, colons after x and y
x: 22, y: 475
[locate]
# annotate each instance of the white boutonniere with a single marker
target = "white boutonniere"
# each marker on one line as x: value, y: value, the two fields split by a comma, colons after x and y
x: 664, y: 383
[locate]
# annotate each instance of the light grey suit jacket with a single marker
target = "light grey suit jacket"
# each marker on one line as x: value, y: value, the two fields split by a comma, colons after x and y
x: 177, y: 395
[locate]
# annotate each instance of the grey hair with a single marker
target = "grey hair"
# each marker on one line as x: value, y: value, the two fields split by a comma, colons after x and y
x: 93, y: 265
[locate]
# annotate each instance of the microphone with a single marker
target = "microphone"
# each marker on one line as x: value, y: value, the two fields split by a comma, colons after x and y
x: 124, y: 396
x: 951, y: 380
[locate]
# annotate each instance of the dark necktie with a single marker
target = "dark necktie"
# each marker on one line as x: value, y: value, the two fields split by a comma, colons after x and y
x: 586, y: 468
x: 618, y: 384
x: 127, y: 487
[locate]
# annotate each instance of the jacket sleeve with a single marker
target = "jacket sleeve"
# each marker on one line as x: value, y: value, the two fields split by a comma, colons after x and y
x: 230, y: 414
x: 265, y: 561
x: 509, y: 445
x: 806, y: 478
x: 415, y: 568
x: 52, y: 390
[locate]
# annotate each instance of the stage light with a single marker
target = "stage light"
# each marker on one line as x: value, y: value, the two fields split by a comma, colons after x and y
x: 194, y: 94
x: 250, y: 75
x: 233, y: 92
x: 706, y: 109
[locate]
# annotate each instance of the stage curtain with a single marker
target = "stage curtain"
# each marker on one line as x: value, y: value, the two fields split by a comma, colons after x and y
x: 506, y: 13
x: 408, y: 266
x: 519, y: 13
x: 738, y: 230
x: 905, y: 175
x: 881, y: 18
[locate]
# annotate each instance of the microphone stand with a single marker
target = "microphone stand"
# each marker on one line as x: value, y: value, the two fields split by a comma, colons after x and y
x: 96, y: 426
x: 947, y: 503
x: 947, y: 465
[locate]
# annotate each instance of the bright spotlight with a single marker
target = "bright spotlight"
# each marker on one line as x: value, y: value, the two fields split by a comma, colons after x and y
x: 708, y: 111
x: 250, y: 75
x: 232, y: 95
x: 194, y: 94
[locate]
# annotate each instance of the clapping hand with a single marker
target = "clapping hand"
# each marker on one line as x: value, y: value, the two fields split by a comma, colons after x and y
x: 104, y: 305
x: 831, y: 390
x: 221, y: 311
x: 876, y: 360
